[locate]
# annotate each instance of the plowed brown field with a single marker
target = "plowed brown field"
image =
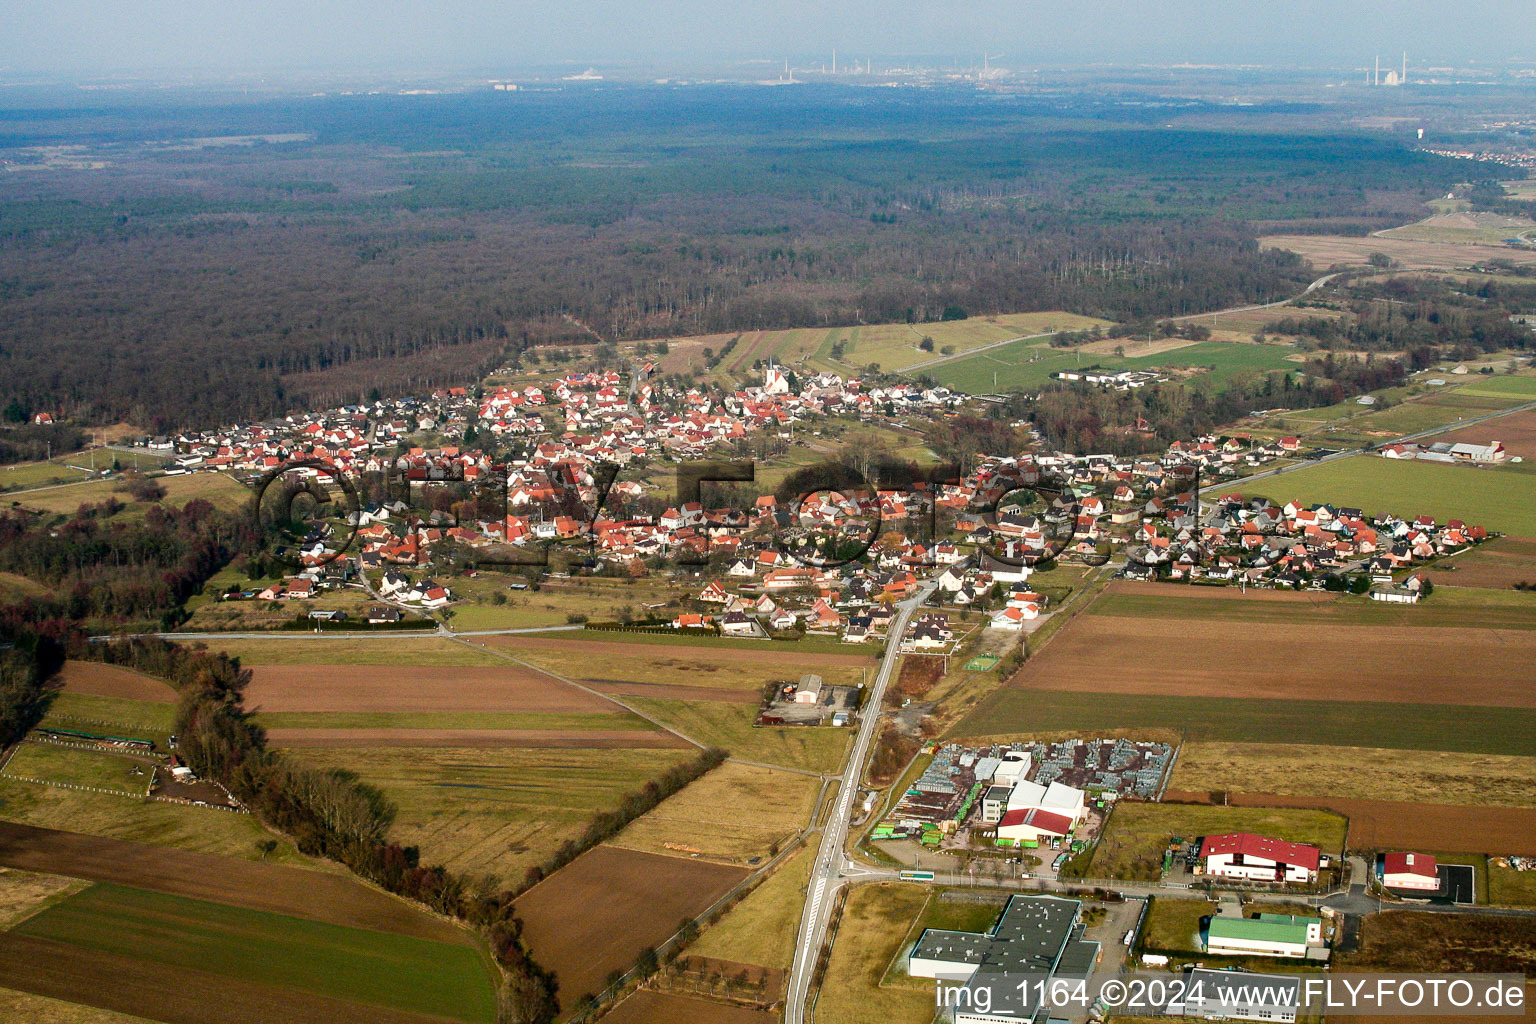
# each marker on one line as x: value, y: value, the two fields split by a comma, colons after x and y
x: 598, y: 913
x: 1268, y: 660
x: 110, y: 681
x: 1497, y: 564
x: 1517, y: 432
x: 412, y: 688
x: 281, y: 890
x: 647, y: 1007
x: 1388, y: 824
x: 756, y: 654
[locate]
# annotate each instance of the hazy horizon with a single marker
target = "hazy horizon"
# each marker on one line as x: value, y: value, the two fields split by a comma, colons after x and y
x: 80, y: 38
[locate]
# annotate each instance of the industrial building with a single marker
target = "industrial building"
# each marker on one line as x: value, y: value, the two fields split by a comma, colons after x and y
x: 1251, y: 858
x: 1416, y: 872
x: 1265, y: 935
x: 1036, y: 937
x: 1236, y: 995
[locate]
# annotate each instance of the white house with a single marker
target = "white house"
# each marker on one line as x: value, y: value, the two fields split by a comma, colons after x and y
x: 1252, y: 858
x: 1416, y: 872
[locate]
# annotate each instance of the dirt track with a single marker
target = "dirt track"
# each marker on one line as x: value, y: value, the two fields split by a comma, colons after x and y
x: 1192, y: 658
x: 1387, y: 824
x: 412, y: 688
x: 281, y: 890
x: 566, y: 739
x: 600, y: 911
x: 110, y: 681
x: 174, y: 995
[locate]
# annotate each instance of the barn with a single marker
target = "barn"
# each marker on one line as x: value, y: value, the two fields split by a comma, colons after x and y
x: 1416, y: 872
x: 1252, y: 858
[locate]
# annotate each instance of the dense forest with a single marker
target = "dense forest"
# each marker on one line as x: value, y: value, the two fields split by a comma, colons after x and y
x: 401, y: 242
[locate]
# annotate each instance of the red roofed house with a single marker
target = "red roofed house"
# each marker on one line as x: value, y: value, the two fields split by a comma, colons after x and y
x: 1410, y: 871
x: 1259, y: 858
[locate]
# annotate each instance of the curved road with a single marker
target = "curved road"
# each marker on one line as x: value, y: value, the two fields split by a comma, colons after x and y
x: 827, y: 874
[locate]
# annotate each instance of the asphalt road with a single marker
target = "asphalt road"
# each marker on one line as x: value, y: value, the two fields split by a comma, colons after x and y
x: 827, y: 874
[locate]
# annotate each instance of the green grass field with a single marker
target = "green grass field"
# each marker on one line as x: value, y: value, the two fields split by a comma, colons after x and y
x: 320, y: 650
x: 154, y: 718
x: 1510, y: 888
x: 817, y: 749
x: 494, y: 811
x: 223, y: 491
x: 1486, y: 730
x: 1028, y: 366
x: 72, y: 767
x: 1133, y: 842
x: 273, y: 949
x: 1174, y: 924
x: 1494, y: 498
x: 22, y: 475
x: 1501, y: 386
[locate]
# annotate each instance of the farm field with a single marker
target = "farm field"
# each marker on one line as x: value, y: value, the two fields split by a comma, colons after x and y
x: 1295, y: 769
x: 1466, y: 228
x: 576, y: 739
x: 177, y: 826
x: 1517, y: 432
x: 1499, y: 499
x: 42, y: 1010
x: 1210, y: 658
x: 119, y: 716
x: 90, y: 678
x: 873, y: 931
x: 494, y: 811
x: 648, y: 1007
x: 1387, y: 824
x: 761, y: 928
x: 403, y: 687
x: 818, y: 749
x: 628, y: 900
x: 285, y: 953
x: 1415, y: 941
x: 1325, y: 251
x: 317, y: 649
x: 745, y: 671
x: 736, y: 813
x: 1013, y: 711
x: 269, y: 887
x: 1137, y: 833
x: 1520, y: 386
x: 1028, y: 366
x: 1498, y: 564
x: 806, y: 654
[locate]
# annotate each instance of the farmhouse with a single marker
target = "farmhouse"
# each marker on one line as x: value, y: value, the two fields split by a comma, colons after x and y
x: 1039, y: 937
x: 1265, y: 935
x: 1416, y: 872
x: 1252, y: 858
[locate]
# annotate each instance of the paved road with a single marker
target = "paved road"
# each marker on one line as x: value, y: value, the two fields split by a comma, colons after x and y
x: 1176, y: 319
x: 827, y: 874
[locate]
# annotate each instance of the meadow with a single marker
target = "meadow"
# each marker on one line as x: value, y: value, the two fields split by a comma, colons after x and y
x: 872, y: 932
x: 1137, y: 833
x: 761, y: 928
x: 819, y: 749
x: 1028, y: 365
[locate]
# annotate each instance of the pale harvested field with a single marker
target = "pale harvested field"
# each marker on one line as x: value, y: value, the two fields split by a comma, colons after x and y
x: 100, y: 680
x: 600, y: 911
x: 24, y: 893
x: 319, y: 649
x: 679, y: 667
x: 1296, y: 769
x: 1324, y: 251
x: 1134, y: 349
x: 558, y: 739
x: 23, y: 1006
x: 406, y: 688
x: 1516, y: 431
x: 734, y: 813
x: 761, y: 928
x: 1389, y: 824
x: 781, y: 654
x: 1192, y: 658
x: 666, y: 691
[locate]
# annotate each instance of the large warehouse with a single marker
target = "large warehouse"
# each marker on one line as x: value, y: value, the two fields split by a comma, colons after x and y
x: 1254, y: 858
x: 1265, y: 935
x: 1039, y: 937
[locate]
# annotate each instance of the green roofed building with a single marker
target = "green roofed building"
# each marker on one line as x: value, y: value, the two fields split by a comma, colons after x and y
x: 1265, y: 935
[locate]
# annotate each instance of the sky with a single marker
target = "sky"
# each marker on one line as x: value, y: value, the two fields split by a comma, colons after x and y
x: 84, y: 37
